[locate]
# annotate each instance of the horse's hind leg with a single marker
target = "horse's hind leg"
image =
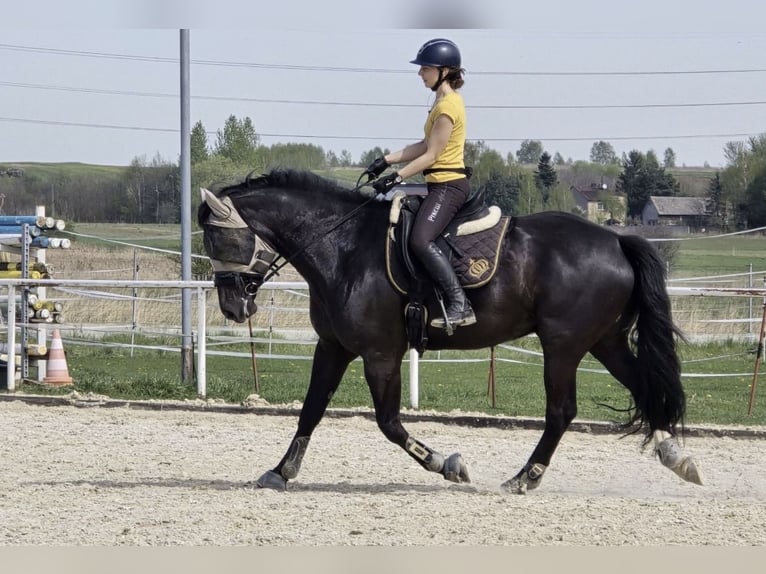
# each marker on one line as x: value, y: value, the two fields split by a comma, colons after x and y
x: 615, y: 354
x: 383, y: 375
x: 561, y: 407
x: 330, y: 362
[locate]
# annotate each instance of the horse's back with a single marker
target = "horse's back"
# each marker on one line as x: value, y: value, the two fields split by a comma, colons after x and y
x: 560, y: 248
x: 559, y: 266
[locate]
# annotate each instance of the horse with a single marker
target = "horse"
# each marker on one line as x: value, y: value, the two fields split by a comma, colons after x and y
x: 580, y: 287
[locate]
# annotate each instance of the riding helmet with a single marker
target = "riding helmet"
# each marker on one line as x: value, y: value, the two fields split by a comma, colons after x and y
x: 438, y: 53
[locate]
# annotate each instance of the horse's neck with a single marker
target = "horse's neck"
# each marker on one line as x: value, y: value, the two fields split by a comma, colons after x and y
x: 313, y: 235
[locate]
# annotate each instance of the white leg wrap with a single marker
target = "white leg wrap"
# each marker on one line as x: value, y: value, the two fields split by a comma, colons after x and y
x: 431, y: 459
x: 672, y: 456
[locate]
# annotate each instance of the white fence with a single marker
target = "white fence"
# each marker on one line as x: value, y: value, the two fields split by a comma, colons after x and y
x: 200, y: 289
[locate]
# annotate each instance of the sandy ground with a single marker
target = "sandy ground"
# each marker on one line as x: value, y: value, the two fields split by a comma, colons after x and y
x: 124, y: 476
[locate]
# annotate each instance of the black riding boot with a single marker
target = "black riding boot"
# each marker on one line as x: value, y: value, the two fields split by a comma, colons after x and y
x: 459, y: 311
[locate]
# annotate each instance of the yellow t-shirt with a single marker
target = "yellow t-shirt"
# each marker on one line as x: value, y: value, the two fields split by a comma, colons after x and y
x: 452, y: 106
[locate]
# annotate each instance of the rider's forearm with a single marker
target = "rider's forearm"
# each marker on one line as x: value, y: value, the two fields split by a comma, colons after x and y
x: 408, y: 153
x: 424, y: 161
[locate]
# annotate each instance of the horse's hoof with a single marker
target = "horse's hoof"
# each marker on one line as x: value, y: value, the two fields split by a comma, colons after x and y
x: 688, y: 471
x: 271, y: 479
x: 672, y: 456
x: 455, y: 469
x: 527, y: 479
x: 514, y: 486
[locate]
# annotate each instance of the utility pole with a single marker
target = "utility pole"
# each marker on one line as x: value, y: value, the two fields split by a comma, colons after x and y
x: 187, y: 352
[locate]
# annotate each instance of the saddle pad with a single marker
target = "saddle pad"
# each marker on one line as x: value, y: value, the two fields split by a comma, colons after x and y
x: 475, y: 257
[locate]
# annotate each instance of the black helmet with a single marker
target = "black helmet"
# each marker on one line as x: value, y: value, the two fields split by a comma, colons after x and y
x: 438, y: 53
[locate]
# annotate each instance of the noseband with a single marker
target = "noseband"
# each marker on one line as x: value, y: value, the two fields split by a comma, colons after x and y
x: 248, y: 282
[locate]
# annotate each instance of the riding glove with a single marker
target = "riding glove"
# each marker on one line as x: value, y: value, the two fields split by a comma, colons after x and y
x: 376, y: 168
x: 385, y: 184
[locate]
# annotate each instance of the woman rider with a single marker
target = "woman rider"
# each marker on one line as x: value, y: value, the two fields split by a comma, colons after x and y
x: 439, y: 155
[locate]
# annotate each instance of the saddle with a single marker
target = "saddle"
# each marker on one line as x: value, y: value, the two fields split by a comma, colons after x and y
x: 471, y: 242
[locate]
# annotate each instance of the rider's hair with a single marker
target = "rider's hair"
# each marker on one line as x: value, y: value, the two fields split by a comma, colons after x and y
x: 454, y: 77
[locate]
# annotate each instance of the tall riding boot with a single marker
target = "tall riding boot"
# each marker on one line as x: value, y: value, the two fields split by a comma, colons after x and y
x: 459, y: 311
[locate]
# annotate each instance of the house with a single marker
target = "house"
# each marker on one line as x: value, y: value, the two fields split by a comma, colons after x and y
x: 686, y: 212
x: 598, y: 204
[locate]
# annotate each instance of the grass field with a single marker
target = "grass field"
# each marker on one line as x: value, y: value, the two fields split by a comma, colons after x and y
x: 706, y: 256
x: 445, y: 385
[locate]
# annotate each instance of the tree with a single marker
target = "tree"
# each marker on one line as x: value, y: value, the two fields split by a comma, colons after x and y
x: 345, y: 158
x: 642, y: 177
x: 733, y: 151
x: 716, y: 205
x: 602, y: 153
x: 529, y: 151
x: 488, y: 163
x: 558, y: 159
x: 746, y: 160
x: 756, y: 201
x: 198, y: 151
x: 136, y: 188
x: 238, y: 141
x: 473, y: 151
x: 332, y: 159
x: 546, y: 177
x: 503, y: 191
x: 669, y: 158
x: 371, y: 155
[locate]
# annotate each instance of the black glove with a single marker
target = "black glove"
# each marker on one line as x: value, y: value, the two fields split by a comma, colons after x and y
x: 376, y: 168
x: 385, y: 184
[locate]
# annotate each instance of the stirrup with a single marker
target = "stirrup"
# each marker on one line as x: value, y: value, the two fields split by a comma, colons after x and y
x: 467, y: 318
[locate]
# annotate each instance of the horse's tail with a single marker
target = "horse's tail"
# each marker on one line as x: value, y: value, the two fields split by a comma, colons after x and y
x: 659, y: 396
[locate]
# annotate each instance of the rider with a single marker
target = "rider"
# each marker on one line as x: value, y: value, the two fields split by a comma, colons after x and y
x: 439, y: 155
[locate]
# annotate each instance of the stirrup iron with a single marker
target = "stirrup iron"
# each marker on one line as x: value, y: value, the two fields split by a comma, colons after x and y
x: 447, y: 325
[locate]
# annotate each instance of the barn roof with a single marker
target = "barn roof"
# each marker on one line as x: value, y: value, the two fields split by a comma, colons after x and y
x: 679, y: 205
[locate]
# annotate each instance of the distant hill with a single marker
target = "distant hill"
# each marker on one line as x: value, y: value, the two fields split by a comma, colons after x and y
x: 70, y: 169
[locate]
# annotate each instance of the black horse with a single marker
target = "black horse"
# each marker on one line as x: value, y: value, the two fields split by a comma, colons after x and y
x: 579, y: 286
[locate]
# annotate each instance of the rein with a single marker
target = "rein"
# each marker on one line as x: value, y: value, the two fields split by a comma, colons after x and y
x: 273, y: 268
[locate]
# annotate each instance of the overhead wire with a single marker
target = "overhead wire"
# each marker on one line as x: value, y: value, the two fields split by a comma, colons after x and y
x: 394, y: 138
x: 137, y: 93
x: 224, y: 63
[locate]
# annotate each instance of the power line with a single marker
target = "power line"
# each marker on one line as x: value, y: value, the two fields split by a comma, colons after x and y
x: 380, y: 138
x: 135, y: 93
x: 224, y: 63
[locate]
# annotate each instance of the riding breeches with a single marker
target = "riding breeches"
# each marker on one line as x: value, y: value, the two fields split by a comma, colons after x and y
x: 436, y: 211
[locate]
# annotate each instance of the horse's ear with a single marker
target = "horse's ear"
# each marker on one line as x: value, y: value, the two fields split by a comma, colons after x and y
x: 218, y: 207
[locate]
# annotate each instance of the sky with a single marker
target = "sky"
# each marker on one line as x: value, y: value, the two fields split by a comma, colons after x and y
x: 98, y: 81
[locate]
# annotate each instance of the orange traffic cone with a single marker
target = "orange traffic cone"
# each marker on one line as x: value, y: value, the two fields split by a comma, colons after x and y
x: 57, y: 374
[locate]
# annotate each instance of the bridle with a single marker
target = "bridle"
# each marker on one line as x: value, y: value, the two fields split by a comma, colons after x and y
x: 267, y: 264
x: 245, y: 281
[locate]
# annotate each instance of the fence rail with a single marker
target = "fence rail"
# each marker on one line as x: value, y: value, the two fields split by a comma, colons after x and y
x: 201, y: 288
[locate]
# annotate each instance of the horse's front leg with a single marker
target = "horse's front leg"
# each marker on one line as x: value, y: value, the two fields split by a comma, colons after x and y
x: 330, y: 362
x: 383, y: 374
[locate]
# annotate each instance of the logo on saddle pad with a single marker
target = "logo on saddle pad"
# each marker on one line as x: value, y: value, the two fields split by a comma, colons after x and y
x: 472, y: 246
x: 478, y: 267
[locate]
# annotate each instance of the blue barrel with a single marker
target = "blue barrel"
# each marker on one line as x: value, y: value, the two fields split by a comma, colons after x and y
x: 41, y: 241
x: 37, y: 220
x: 33, y: 230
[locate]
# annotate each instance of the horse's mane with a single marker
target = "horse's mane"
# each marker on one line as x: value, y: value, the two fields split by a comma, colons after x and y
x: 283, y: 179
x: 291, y: 179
